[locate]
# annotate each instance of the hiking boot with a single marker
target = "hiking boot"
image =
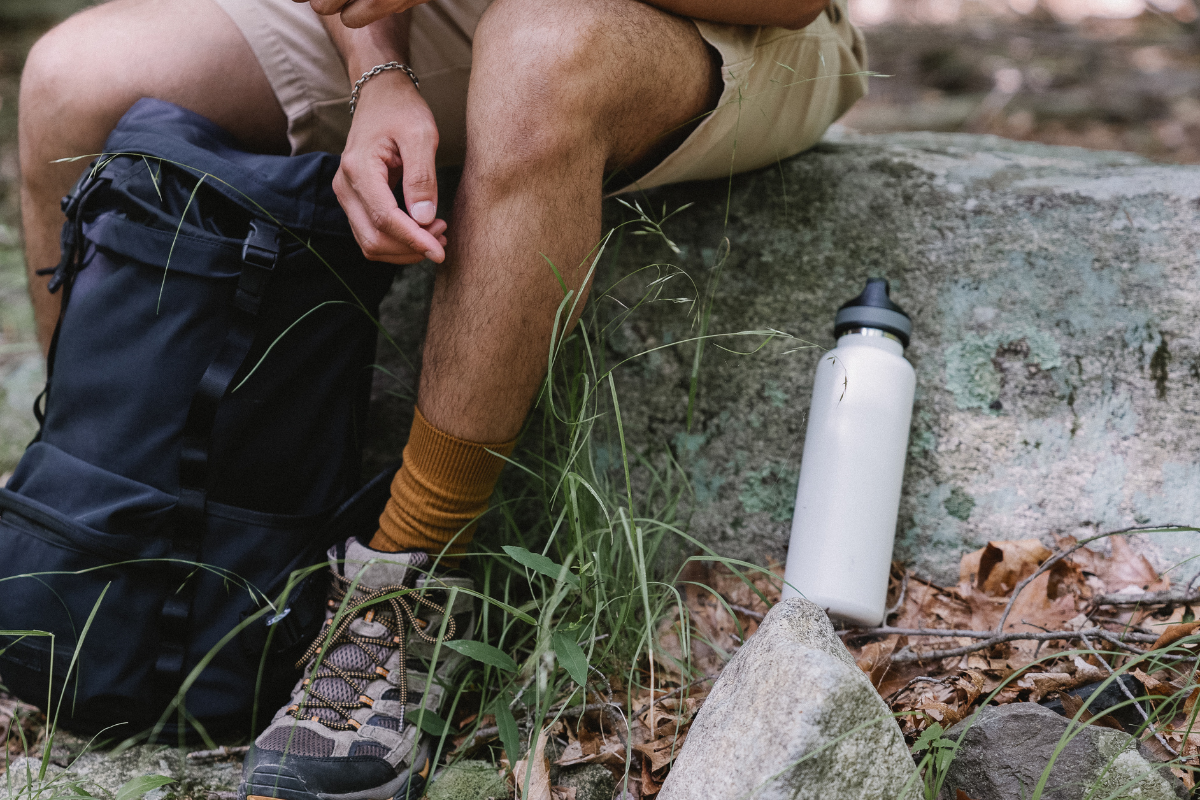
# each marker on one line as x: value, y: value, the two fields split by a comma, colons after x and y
x: 349, y: 731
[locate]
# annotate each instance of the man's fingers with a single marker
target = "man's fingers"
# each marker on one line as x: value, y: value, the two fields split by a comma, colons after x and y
x: 419, y: 181
x: 327, y: 7
x: 380, y: 248
x: 380, y: 227
x: 361, y: 13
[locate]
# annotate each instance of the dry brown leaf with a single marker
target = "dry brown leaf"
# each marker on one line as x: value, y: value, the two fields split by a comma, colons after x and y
x: 661, y: 752
x: 1042, y: 684
x: 1154, y: 686
x: 875, y: 658
x: 984, y: 611
x: 1086, y: 672
x: 537, y: 770
x: 971, y: 683
x: 1157, y: 752
x: 943, y: 713
x: 1189, y: 705
x: 593, y: 747
x: 998, y: 567
x: 1066, y: 577
x: 1035, y: 610
x: 562, y: 792
x: 1174, y: 633
x: 959, y: 794
x: 1125, y: 569
x: 1185, y: 776
x: 1089, y: 560
x: 650, y: 784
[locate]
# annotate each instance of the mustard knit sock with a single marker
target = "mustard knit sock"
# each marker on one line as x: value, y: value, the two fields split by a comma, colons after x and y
x: 443, y: 485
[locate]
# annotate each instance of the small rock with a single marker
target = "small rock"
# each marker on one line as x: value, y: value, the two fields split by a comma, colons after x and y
x: 792, y: 717
x: 1110, y: 696
x: 468, y: 780
x: 590, y: 782
x: 1005, y: 749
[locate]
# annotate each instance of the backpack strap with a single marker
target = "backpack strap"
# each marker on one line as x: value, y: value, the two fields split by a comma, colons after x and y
x: 62, y: 275
x: 260, y: 252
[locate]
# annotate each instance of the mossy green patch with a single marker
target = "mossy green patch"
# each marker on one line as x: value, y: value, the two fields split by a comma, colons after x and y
x: 770, y: 490
x: 959, y: 504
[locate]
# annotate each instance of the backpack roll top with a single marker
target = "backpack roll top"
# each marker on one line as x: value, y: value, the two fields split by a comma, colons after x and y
x: 202, y: 430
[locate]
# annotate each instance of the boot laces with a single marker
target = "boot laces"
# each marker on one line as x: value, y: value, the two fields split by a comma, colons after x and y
x: 397, y: 616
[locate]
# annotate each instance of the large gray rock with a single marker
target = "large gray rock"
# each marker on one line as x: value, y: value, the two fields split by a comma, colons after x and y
x: 1004, y: 751
x: 1054, y: 293
x: 792, y: 717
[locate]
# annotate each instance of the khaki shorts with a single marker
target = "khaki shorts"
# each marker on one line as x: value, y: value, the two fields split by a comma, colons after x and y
x: 783, y: 88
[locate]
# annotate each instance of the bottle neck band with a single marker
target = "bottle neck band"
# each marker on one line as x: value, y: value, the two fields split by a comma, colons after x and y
x: 871, y: 332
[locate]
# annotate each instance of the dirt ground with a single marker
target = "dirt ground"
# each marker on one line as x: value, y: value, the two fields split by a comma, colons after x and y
x: 948, y: 65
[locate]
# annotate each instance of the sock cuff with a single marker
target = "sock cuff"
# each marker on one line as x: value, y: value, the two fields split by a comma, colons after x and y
x: 443, y: 484
x: 437, y: 459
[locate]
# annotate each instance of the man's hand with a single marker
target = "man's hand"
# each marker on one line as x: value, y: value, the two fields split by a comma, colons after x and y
x: 393, y: 139
x: 360, y: 13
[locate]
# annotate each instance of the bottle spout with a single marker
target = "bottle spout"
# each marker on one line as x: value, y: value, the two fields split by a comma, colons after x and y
x: 873, y: 308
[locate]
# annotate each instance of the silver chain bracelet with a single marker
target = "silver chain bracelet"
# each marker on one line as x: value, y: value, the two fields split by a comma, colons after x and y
x: 372, y: 72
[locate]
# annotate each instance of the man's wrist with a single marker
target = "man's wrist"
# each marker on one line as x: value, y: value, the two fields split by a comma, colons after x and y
x: 362, y: 49
x: 375, y: 72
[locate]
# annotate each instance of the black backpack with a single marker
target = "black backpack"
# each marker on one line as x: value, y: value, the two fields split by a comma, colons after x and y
x: 205, y: 405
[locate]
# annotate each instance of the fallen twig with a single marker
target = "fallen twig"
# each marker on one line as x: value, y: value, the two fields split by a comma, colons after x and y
x: 204, y: 756
x: 749, y: 612
x: 1008, y: 637
x: 1173, y: 596
x: 674, y: 692
x: 990, y: 638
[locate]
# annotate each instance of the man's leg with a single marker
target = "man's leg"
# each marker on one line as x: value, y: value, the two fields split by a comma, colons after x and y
x: 81, y: 77
x: 560, y: 94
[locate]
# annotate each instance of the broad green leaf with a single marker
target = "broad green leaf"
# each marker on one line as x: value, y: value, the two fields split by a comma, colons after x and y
x: 431, y: 723
x: 479, y: 651
x: 510, y: 737
x: 136, y: 788
x: 539, y: 563
x: 927, y: 738
x: 571, y: 656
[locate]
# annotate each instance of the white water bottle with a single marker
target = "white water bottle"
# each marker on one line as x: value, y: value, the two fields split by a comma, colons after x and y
x: 849, y: 493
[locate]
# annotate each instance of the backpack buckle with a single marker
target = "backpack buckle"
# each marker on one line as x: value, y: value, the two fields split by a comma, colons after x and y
x: 260, y: 252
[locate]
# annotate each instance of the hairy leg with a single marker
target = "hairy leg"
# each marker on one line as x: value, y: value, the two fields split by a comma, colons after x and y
x: 560, y: 93
x: 82, y: 76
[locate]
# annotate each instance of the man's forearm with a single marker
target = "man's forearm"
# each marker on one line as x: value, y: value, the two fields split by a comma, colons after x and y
x: 378, y: 43
x: 784, y: 13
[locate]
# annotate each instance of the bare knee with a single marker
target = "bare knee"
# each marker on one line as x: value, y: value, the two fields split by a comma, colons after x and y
x: 586, y: 80
x: 534, y: 92
x: 82, y: 76
x: 66, y: 106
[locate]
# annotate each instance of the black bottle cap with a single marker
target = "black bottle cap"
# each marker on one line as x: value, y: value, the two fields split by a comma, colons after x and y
x: 874, y: 309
